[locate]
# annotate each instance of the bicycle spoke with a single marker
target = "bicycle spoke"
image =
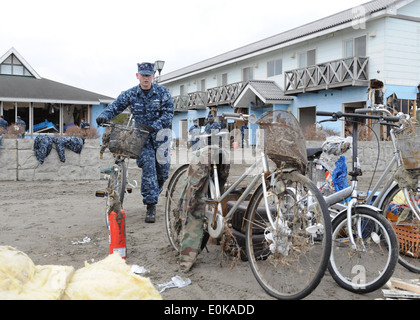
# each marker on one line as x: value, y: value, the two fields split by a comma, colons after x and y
x: 290, y: 259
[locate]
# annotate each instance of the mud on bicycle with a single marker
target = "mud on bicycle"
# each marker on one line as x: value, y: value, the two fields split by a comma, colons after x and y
x: 286, y: 224
x: 124, y: 142
x: 397, y: 191
x: 363, y: 259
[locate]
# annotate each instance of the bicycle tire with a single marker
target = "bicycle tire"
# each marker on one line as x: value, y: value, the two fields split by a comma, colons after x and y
x: 372, y: 264
x: 301, y: 245
x: 173, y: 218
x: 409, y: 230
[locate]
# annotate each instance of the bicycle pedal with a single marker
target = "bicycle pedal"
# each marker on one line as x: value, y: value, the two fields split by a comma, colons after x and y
x: 100, y: 194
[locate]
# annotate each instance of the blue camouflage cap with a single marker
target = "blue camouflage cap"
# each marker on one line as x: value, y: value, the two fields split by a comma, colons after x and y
x: 146, y: 68
x: 210, y: 116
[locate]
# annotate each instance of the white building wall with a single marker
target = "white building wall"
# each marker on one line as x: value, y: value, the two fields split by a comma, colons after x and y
x: 402, y: 52
x: 393, y: 48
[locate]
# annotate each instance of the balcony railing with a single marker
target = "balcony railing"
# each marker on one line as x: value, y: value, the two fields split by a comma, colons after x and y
x: 223, y: 95
x: 197, y: 100
x: 180, y: 103
x: 332, y: 74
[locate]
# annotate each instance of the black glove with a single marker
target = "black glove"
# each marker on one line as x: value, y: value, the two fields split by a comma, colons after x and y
x: 100, y: 120
x: 147, y: 128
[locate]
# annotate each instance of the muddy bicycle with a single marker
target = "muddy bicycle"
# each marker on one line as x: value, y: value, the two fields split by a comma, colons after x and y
x: 397, y: 191
x: 286, y: 224
x: 124, y: 142
x: 364, y: 244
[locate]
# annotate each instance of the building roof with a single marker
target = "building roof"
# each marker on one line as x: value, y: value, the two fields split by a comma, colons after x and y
x: 28, y: 89
x: 341, y: 18
x: 20, y: 88
x: 267, y: 91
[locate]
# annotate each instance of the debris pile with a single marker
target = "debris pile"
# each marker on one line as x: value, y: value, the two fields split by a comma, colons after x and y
x: 402, y: 289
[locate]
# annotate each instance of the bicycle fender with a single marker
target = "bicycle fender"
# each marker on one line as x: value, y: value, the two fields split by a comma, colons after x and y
x: 368, y: 206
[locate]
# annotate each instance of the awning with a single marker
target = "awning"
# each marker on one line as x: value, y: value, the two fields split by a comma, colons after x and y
x: 267, y: 91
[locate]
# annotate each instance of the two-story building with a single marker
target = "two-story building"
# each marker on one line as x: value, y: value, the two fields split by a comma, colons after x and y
x: 324, y: 65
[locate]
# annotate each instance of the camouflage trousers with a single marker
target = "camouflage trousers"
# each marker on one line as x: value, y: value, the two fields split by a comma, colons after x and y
x: 192, y: 205
x: 154, y: 173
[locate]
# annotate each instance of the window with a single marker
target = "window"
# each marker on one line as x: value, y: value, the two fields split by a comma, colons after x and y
x: 274, y: 68
x: 12, y: 65
x: 222, y: 79
x: 307, y: 58
x: 360, y: 46
x: 355, y: 47
x: 5, y: 69
x: 247, y: 74
x: 202, y: 85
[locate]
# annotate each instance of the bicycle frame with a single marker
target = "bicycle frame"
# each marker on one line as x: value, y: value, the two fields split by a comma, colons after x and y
x: 375, y: 204
x: 352, y: 190
x: 218, y: 198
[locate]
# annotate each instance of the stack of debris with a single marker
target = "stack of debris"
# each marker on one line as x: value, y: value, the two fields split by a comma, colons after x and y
x: 402, y: 289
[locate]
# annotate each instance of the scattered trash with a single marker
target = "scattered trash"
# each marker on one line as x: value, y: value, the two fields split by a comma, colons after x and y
x: 177, y: 282
x: 137, y: 269
x: 85, y: 240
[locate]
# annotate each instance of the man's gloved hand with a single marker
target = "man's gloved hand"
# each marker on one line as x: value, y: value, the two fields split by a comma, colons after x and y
x: 100, y: 120
x: 147, y: 128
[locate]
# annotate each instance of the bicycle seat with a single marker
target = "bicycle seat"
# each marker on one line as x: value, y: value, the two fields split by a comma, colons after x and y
x: 313, y: 153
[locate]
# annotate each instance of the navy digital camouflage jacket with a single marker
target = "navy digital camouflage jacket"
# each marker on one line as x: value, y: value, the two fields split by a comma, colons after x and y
x: 156, y: 110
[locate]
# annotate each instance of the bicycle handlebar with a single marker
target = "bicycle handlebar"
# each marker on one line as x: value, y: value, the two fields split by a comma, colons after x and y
x: 239, y: 116
x: 337, y: 115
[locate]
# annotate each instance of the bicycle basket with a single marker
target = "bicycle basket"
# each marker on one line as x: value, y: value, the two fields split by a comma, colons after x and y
x: 283, y: 139
x: 127, y: 142
x: 409, y: 146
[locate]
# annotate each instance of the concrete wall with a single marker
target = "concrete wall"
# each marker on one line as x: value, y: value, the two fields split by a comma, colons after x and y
x: 18, y: 161
x: 368, y: 155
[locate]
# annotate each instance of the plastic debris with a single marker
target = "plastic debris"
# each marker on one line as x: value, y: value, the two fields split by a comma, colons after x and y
x: 85, y: 240
x: 137, y: 269
x: 177, y: 282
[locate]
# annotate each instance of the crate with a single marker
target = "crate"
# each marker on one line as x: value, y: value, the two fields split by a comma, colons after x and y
x: 127, y: 142
x: 408, y: 239
x: 409, y: 146
x: 283, y: 139
x: 407, y: 234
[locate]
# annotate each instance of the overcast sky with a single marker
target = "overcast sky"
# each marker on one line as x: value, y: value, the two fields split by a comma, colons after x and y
x: 95, y: 45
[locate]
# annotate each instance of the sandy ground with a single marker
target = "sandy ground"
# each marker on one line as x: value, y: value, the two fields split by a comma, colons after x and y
x: 44, y: 219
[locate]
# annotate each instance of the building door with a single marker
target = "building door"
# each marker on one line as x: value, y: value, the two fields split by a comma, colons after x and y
x: 365, y: 130
x: 183, y: 132
x: 307, y: 118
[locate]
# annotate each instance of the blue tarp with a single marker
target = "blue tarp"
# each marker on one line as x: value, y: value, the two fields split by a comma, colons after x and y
x: 339, y: 175
x: 43, y: 126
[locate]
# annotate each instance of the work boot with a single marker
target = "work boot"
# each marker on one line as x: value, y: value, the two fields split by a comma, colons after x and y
x: 150, y: 213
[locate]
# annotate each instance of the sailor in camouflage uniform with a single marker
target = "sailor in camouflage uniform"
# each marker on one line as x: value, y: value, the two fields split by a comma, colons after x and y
x: 192, y: 205
x: 153, y: 109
